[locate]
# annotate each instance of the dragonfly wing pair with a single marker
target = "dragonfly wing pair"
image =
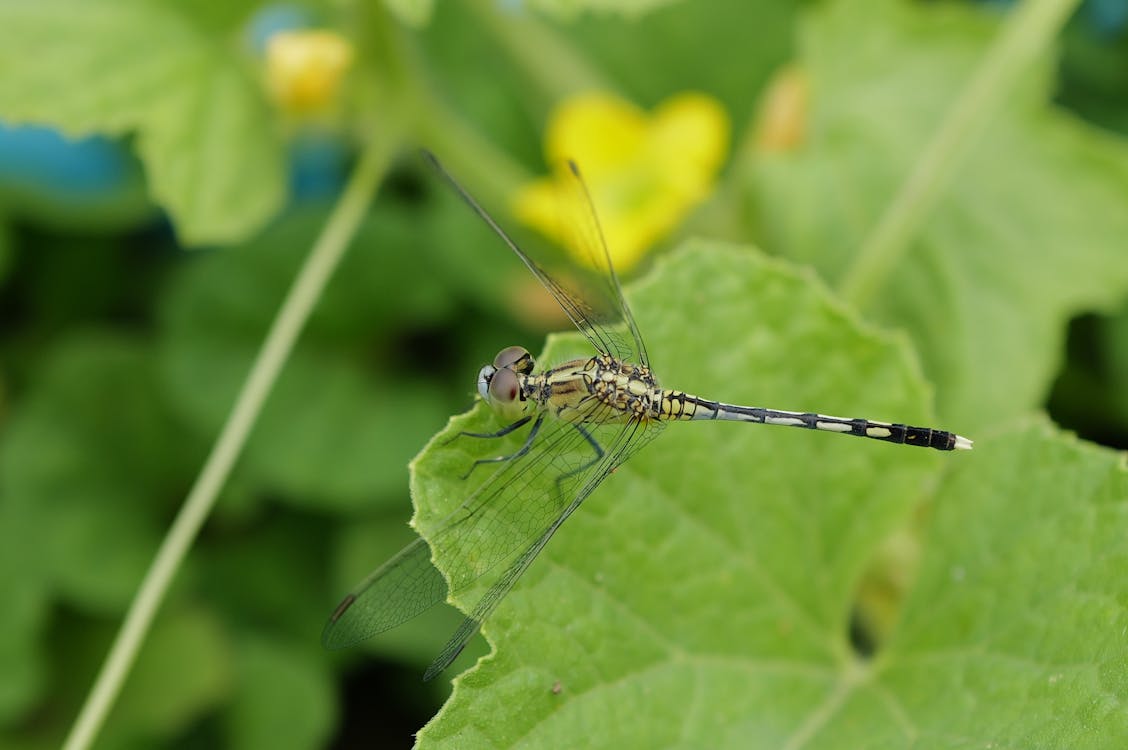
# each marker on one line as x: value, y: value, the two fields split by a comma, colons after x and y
x: 496, y: 533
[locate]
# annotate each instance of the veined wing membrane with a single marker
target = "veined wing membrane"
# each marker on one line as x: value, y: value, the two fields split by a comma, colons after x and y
x: 586, y: 237
x: 402, y: 588
x: 622, y: 442
x: 494, y: 527
x: 595, y: 325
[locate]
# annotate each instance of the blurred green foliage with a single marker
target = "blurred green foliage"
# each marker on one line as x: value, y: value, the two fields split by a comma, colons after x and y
x: 121, y: 351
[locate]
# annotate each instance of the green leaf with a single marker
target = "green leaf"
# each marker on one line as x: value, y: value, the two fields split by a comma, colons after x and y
x: 1014, y: 632
x: 721, y: 549
x: 702, y: 596
x: 174, y: 76
x: 364, y: 546
x: 1029, y: 232
x: 284, y: 699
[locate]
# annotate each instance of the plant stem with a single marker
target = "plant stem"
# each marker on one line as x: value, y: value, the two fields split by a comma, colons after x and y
x: 303, y: 295
x: 546, y: 58
x: 1029, y: 31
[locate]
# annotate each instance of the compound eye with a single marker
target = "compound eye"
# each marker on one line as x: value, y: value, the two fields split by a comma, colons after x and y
x: 504, y: 387
x: 485, y: 375
x: 515, y: 358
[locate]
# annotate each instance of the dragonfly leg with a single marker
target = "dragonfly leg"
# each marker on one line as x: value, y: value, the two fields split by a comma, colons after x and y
x: 505, y: 431
x: 500, y: 433
x: 599, y: 453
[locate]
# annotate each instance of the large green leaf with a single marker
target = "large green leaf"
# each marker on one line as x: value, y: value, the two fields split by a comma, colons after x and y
x: 1014, y: 631
x: 1030, y: 231
x: 693, y: 545
x: 173, y: 75
x: 702, y: 596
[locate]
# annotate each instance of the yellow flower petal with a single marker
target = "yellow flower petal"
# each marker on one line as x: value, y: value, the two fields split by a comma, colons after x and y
x: 693, y: 128
x: 603, y: 130
x: 644, y: 171
x: 304, y: 69
x: 537, y: 205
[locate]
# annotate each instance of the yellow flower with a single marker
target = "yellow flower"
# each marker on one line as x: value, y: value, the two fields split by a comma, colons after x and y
x: 645, y: 171
x: 304, y: 69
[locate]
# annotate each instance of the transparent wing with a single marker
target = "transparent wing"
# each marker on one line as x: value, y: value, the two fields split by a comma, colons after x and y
x: 597, y: 325
x: 505, y: 522
x: 514, y: 510
x: 587, y: 239
x: 404, y: 587
x: 629, y: 439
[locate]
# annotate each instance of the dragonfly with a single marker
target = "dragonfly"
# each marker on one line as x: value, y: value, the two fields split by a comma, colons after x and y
x: 583, y: 418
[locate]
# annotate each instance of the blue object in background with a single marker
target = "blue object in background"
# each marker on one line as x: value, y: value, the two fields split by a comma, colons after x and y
x: 272, y: 19
x: 43, y: 160
x: 318, y: 164
x: 1108, y: 17
x: 90, y: 182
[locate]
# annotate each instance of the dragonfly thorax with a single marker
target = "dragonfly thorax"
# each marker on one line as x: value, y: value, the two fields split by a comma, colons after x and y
x: 630, y: 391
x: 597, y: 390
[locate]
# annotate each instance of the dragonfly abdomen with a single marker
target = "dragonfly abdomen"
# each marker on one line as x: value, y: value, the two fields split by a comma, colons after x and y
x: 678, y: 405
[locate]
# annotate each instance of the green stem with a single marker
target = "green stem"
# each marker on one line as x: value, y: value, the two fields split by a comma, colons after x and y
x: 1028, y: 32
x: 491, y: 172
x: 295, y: 310
x: 548, y: 60
x: 545, y: 57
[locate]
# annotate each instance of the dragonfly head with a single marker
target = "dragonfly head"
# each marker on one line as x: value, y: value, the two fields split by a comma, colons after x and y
x: 499, y: 384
